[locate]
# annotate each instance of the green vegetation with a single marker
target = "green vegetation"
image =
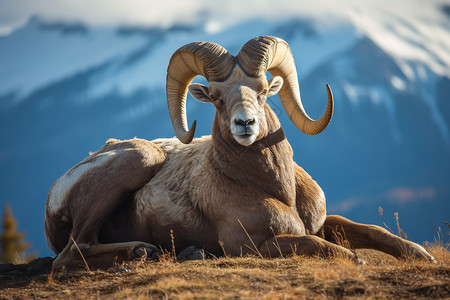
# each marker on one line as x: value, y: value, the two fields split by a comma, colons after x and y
x: 12, y: 245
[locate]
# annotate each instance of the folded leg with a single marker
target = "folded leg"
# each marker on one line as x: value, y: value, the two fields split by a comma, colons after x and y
x: 102, y: 255
x: 354, y: 235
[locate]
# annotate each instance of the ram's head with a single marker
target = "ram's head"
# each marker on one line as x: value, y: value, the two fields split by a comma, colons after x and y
x: 238, y: 87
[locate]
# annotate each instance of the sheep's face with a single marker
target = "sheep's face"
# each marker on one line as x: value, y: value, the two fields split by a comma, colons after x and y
x: 240, y: 102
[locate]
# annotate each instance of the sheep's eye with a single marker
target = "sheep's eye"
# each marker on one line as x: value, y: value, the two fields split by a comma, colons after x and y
x: 212, y: 98
x: 264, y: 92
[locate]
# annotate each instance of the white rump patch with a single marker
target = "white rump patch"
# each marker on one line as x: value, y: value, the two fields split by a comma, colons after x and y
x: 64, y: 184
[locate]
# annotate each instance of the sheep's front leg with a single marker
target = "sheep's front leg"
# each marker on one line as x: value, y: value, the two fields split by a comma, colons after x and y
x: 102, y: 255
x: 309, y: 245
x: 339, y: 229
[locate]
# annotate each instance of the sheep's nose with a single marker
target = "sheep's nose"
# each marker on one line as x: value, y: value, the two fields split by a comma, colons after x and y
x: 244, y: 123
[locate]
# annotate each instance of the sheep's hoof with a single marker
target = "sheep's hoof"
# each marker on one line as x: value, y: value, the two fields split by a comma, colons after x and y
x: 191, y: 253
x: 148, y: 252
x: 418, y: 252
x: 359, y: 261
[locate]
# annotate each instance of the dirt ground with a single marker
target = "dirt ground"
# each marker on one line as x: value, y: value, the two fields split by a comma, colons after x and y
x: 238, y: 278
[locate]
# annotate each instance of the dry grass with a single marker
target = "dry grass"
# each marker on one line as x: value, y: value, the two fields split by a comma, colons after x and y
x: 249, y: 278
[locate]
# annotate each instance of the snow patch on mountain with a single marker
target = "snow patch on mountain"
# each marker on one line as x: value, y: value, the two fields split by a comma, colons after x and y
x: 398, y: 83
x: 428, y: 92
x: 379, y: 96
x: 425, y: 40
x: 36, y: 55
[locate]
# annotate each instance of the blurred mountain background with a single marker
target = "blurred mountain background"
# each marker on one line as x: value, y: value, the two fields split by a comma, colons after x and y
x: 74, y: 75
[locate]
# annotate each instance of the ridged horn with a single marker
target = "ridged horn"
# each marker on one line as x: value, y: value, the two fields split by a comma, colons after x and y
x: 210, y: 60
x: 267, y: 53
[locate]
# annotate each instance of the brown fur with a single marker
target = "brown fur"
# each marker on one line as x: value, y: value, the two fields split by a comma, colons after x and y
x: 212, y: 193
x: 97, y: 194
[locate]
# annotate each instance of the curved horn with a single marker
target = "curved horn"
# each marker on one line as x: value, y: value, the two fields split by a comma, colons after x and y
x: 211, y: 61
x: 266, y: 53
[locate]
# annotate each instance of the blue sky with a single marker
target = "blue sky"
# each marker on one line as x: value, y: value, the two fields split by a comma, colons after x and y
x: 149, y: 12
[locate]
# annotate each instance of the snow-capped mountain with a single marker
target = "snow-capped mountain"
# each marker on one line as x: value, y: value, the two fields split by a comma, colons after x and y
x: 66, y: 88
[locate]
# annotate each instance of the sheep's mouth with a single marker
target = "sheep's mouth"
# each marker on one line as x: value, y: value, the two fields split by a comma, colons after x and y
x: 245, y: 139
x: 245, y: 135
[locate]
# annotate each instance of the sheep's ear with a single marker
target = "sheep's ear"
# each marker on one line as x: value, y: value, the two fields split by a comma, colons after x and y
x: 200, y: 92
x: 275, y: 85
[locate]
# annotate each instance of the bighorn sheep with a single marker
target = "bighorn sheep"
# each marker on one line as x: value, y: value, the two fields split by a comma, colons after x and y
x: 237, y: 191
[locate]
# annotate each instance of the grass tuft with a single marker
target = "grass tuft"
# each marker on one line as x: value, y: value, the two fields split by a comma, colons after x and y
x: 82, y: 256
x: 255, y: 250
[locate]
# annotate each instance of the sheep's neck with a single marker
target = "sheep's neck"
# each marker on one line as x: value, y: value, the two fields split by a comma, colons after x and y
x: 266, y: 165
